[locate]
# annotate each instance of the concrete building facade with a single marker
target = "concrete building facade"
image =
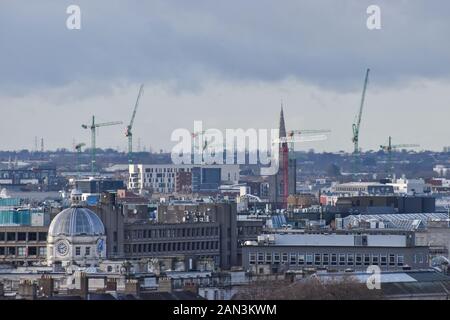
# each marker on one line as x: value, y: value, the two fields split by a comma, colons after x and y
x: 283, y: 252
x: 162, y: 178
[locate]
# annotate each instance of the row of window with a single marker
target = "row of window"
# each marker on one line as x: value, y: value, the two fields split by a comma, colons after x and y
x: 333, y: 259
x: 171, y: 233
x: 160, y: 175
x: 87, y: 251
x: 23, y: 236
x: 160, y: 182
x: 242, y: 231
x: 171, y: 247
x: 167, y: 170
x: 23, y: 251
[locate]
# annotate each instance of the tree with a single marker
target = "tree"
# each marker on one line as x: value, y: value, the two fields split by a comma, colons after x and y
x: 333, y: 170
x: 347, y: 288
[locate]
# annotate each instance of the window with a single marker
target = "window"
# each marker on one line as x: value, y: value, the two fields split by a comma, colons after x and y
x: 326, y: 259
x: 276, y: 257
x: 293, y: 259
x: 21, y: 236
x: 2, y: 251
x: 383, y: 260
x: 260, y: 257
x: 317, y: 259
x: 392, y: 259
x: 420, y: 258
x: 400, y: 260
x: 77, y: 251
x: 284, y: 257
x: 32, y: 236
x: 42, y: 236
x: 42, y: 251
x: 88, y: 251
x: 342, y: 259
x: 358, y: 259
x: 12, y: 251
x: 351, y: 259
x: 301, y: 259
x: 367, y: 259
x: 309, y: 259
x: 32, y: 251
x: 375, y: 259
x: 11, y: 236
x: 268, y: 257
x: 2, y: 236
x: 333, y: 259
x: 21, y: 251
x: 252, y: 258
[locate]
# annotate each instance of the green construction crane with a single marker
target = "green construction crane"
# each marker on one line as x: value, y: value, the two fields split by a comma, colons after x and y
x: 128, y: 132
x: 357, y: 122
x: 93, y: 128
x: 78, y: 150
x: 392, y: 147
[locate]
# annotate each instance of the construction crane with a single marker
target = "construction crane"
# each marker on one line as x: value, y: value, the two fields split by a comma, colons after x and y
x: 78, y: 151
x: 93, y: 126
x: 128, y: 132
x: 204, y: 143
x: 297, y: 136
x: 357, y: 122
x: 393, y: 147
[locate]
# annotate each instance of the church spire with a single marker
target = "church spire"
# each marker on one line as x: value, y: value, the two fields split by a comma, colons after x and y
x: 282, y: 126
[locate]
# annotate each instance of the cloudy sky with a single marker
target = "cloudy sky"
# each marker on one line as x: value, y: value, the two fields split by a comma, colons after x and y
x: 227, y: 63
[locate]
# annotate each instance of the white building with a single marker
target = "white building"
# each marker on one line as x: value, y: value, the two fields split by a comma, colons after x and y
x: 442, y: 170
x: 161, y: 178
x: 408, y: 186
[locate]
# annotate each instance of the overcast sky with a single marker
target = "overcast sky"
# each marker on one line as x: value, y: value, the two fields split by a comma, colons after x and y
x: 228, y: 63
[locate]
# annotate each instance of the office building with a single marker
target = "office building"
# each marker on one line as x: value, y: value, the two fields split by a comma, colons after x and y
x: 162, y: 178
x: 275, y: 253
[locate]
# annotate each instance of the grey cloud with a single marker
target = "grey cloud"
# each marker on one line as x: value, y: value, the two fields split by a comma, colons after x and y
x: 183, y: 42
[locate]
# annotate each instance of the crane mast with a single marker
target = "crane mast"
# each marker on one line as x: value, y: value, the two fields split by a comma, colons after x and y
x: 93, y: 127
x: 78, y: 153
x: 128, y: 132
x: 357, y: 123
x: 392, y: 147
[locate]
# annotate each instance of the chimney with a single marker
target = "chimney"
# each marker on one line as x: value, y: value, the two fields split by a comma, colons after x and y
x: 46, y: 286
x: 84, y: 285
x: 165, y: 284
x: 27, y: 290
x: 191, y: 287
x: 133, y: 287
x: 111, y: 284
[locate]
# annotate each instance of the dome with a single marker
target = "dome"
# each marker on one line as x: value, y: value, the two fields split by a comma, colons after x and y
x: 76, y: 221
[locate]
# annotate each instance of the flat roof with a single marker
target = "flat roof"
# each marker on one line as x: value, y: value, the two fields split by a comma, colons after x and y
x: 336, y: 240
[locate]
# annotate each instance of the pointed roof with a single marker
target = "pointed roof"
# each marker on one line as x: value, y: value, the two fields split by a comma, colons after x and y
x: 282, y: 126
